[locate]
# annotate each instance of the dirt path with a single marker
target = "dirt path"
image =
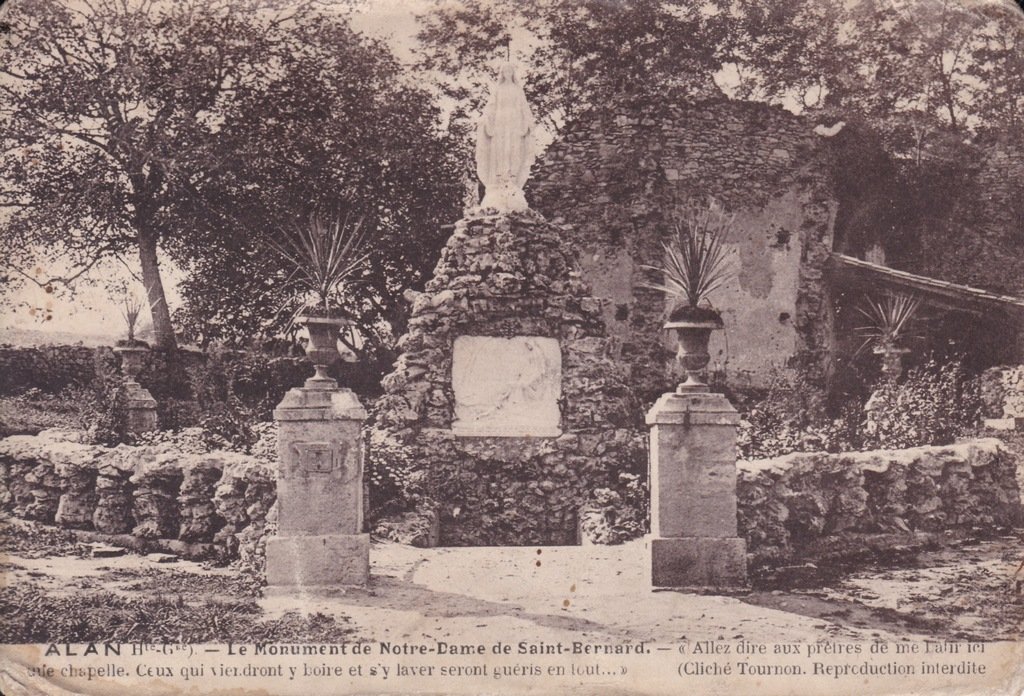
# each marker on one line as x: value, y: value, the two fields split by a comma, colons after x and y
x: 600, y: 593
x: 592, y: 593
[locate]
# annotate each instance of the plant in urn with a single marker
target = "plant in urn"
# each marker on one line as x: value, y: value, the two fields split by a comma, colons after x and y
x: 132, y: 350
x: 325, y: 256
x: 888, y: 325
x: 696, y: 263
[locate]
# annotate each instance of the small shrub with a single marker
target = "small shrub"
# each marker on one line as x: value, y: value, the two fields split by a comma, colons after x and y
x: 228, y: 425
x: 783, y: 421
x: 391, y: 475
x: 935, y: 404
x: 615, y: 516
x: 104, y: 413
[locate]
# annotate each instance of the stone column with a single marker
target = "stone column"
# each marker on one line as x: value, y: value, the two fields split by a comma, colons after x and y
x: 319, y: 542
x: 140, y: 407
x: 694, y: 540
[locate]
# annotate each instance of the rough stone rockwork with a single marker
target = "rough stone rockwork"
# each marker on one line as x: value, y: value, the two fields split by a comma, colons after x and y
x: 152, y: 493
x: 505, y: 276
x: 797, y: 507
x: 807, y: 505
x: 616, y: 175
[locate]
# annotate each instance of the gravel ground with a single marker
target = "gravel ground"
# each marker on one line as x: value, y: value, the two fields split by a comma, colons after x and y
x: 55, y: 591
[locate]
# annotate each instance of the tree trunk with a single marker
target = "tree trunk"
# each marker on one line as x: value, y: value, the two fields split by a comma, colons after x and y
x: 162, y: 329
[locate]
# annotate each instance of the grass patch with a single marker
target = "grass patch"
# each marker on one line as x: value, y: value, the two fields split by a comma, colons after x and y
x: 27, y: 414
x: 28, y: 615
x: 34, y: 540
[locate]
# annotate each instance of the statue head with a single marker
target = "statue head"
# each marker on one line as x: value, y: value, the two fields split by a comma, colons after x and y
x: 507, y: 73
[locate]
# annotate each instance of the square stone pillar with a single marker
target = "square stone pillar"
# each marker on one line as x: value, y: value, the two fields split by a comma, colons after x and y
x: 694, y: 540
x: 320, y: 544
x: 140, y: 406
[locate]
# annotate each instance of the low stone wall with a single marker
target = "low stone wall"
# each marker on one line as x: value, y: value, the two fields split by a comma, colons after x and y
x: 50, y: 368
x: 216, y: 504
x: 795, y: 508
x: 818, y: 506
x: 1002, y: 391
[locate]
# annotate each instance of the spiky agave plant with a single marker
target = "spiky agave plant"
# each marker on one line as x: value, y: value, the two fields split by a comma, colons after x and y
x: 324, y: 255
x: 696, y: 261
x: 888, y: 320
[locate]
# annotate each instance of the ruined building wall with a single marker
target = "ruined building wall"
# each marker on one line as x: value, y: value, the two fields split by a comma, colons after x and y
x: 614, y: 179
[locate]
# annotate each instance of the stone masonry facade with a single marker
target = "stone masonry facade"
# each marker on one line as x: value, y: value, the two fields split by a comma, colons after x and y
x: 614, y: 179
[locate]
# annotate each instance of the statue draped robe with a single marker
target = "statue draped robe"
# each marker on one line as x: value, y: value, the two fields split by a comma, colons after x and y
x: 504, y: 145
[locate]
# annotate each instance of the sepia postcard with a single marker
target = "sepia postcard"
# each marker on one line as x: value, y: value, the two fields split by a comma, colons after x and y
x: 511, y: 346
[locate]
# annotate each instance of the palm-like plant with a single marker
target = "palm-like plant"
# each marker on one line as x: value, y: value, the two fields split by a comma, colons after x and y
x: 131, y: 308
x: 324, y: 255
x: 888, y: 320
x: 696, y: 261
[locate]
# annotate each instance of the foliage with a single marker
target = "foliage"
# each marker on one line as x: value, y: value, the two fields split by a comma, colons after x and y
x: 998, y: 64
x: 783, y: 420
x: 324, y: 255
x: 107, y: 125
x: 613, y: 516
x: 187, y: 128
x: 225, y: 420
x: 696, y: 261
x: 130, y: 307
x: 335, y: 125
x: 577, y: 53
x: 933, y: 405
x: 921, y: 72
x: 888, y: 319
x: 103, y: 413
x: 35, y: 410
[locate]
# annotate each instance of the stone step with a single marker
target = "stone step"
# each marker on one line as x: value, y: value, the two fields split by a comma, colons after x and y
x: 107, y: 551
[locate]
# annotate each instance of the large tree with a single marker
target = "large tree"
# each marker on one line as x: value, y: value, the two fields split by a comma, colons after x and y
x: 333, y: 128
x: 108, y: 110
x: 920, y: 71
x: 195, y: 130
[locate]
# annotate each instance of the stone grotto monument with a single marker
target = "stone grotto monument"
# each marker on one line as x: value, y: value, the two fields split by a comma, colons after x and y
x: 506, y: 411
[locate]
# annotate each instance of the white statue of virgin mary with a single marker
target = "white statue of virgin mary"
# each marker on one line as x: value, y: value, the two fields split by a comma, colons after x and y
x: 504, y: 144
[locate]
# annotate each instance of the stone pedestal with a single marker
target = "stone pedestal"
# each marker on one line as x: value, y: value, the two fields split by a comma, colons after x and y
x: 694, y: 540
x: 319, y: 542
x: 141, y: 407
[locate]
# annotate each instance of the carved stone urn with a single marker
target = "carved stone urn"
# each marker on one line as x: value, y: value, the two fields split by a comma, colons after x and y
x: 133, y: 356
x: 693, y: 327
x: 892, y: 359
x: 322, y: 349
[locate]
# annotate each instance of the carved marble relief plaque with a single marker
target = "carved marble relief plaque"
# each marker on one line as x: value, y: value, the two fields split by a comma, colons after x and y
x: 507, y: 387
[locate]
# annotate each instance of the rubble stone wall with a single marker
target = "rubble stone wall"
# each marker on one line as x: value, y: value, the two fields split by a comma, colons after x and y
x: 219, y: 501
x: 50, y: 368
x: 812, y: 505
x: 792, y: 508
x: 614, y: 180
